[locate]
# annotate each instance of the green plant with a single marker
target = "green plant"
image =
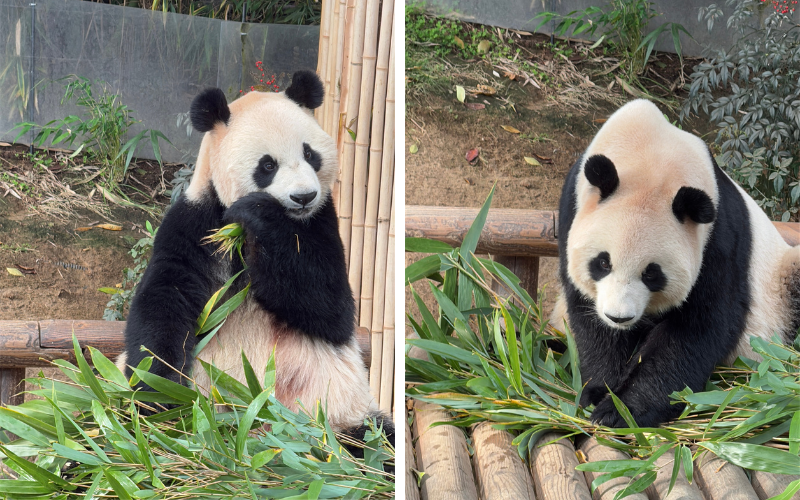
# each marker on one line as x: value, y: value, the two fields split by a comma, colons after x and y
x: 490, y: 359
x: 622, y: 23
x: 750, y: 94
x: 100, y: 129
x: 122, y: 295
x: 87, y: 438
x: 257, y: 11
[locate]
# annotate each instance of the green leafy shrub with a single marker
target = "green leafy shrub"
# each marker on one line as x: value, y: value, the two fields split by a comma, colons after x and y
x: 100, y: 129
x: 87, y: 438
x: 622, y: 24
x: 750, y: 93
x: 490, y: 360
x: 121, y: 297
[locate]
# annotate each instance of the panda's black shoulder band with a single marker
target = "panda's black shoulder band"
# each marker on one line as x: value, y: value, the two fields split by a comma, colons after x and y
x: 306, y: 89
x: 209, y: 108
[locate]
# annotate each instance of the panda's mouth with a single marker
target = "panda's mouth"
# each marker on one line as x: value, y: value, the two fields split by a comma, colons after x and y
x: 300, y: 213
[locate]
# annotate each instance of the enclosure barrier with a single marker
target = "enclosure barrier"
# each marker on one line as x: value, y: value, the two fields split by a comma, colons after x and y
x: 37, y: 343
x: 517, y: 239
x: 356, y: 63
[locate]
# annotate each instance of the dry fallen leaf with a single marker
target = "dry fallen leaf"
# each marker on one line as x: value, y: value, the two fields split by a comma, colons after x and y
x: 459, y: 42
x: 543, y: 159
x: 460, y: 93
x: 14, y: 272
x: 25, y: 270
x: 485, y: 89
x: 474, y: 105
x: 469, y: 181
x: 509, y: 75
x: 532, y: 161
x: 413, y: 149
x: 484, y: 46
x: 110, y: 227
x: 473, y: 154
x: 599, y: 120
x: 82, y: 229
x: 509, y: 128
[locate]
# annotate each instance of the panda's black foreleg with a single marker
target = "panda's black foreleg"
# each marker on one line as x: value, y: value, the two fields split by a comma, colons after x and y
x: 667, y: 361
x: 297, y: 267
x: 178, y: 282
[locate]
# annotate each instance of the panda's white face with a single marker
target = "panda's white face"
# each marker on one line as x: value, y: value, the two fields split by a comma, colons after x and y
x: 645, y: 197
x: 273, y: 145
x: 631, y: 265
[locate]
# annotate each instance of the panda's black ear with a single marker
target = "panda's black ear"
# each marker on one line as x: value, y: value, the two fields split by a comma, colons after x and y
x: 306, y: 89
x: 209, y: 108
x: 695, y: 204
x: 601, y: 173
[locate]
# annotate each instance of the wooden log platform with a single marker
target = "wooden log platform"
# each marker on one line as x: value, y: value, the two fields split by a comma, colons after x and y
x: 38, y: 343
x: 495, y: 471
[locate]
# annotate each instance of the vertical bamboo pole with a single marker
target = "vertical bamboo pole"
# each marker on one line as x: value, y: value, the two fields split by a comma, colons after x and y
x: 351, y: 90
x: 360, y: 147
x: 387, y: 364
x: 324, y: 49
x: 370, y: 226
x: 334, y: 73
x: 382, y: 247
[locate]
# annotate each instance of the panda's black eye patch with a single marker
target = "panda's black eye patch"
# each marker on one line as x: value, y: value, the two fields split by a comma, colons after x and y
x: 653, y: 277
x: 312, y: 157
x: 600, y: 266
x: 265, y: 171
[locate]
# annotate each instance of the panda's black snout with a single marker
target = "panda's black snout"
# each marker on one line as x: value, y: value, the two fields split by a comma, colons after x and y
x: 619, y: 320
x: 303, y: 198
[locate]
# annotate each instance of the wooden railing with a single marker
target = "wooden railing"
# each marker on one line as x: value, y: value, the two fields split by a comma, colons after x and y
x: 36, y: 343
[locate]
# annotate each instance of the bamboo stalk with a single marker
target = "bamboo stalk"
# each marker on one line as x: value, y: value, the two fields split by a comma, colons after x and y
x: 375, y: 165
x: 324, y: 49
x: 335, y: 72
x: 360, y: 147
x: 385, y: 197
x: 351, y: 89
x: 387, y: 364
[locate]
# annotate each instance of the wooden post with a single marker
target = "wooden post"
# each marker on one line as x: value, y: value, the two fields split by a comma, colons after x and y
x: 524, y: 268
x: 443, y: 456
x: 595, y: 452
x: 553, y: 469
x: 11, y: 386
x: 500, y: 472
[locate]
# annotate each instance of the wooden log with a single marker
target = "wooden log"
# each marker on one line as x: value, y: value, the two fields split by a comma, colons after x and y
x: 790, y: 232
x: 553, y: 469
x: 442, y: 454
x: 595, y: 452
x: 528, y: 233
x: 682, y: 489
x: 412, y: 490
x: 22, y: 345
x: 500, y: 472
x: 720, y: 480
x: 768, y: 485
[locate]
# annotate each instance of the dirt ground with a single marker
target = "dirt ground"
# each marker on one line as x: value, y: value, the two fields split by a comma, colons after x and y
x: 553, y: 127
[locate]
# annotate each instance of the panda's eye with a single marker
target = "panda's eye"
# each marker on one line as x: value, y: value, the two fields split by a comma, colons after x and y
x: 605, y: 265
x: 653, y: 278
x: 600, y: 266
x: 306, y: 154
x: 268, y: 166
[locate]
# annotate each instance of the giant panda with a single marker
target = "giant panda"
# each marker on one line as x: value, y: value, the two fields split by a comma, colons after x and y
x: 667, y: 267
x: 266, y: 164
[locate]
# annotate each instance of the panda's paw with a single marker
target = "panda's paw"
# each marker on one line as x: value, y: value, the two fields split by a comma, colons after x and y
x: 592, y: 394
x: 605, y: 413
x: 252, y: 211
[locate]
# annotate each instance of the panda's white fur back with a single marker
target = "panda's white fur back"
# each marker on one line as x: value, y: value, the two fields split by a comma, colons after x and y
x: 308, y: 370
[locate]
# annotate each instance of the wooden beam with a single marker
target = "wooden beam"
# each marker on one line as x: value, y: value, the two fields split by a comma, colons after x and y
x: 500, y: 472
x: 528, y: 233
x: 720, y: 480
x: 32, y: 343
x: 553, y: 469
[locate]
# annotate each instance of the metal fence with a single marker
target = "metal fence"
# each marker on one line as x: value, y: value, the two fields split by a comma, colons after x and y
x: 156, y: 61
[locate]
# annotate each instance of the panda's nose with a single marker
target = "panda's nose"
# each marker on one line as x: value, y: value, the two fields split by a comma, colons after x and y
x: 619, y: 320
x: 303, y: 198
